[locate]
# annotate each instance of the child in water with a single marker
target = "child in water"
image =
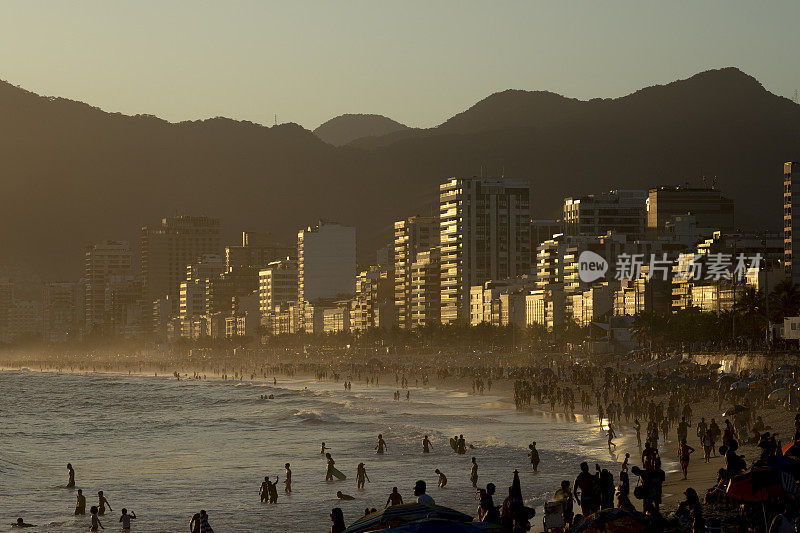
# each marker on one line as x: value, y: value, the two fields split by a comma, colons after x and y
x: 96, y: 525
x: 442, y: 479
x: 287, y: 482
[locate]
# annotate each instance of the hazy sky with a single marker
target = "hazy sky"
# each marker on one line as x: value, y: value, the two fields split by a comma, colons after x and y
x: 418, y: 62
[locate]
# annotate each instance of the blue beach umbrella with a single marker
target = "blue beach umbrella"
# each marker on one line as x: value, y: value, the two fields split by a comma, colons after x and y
x: 396, y: 515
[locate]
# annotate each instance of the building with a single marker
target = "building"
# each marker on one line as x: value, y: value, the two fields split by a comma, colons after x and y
x: 195, y: 295
x: 326, y: 263
x: 709, y: 207
x: 545, y: 307
x: 484, y: 234
x: 258, y: 249
x: 791, y: 262
x: 25, y: 321
x: 487, y: 301
x: 592, y: 304
x: 621, y: 211
x: 62, y: 311
x: 277, y: 285
x: 104, y: 263
x: 167, y: 248
x: 374, y: 289
x: 426, y: 289
x: 542, y: 230
x: 6, y: 304
x: 336, y: 318
x: 412, y: 236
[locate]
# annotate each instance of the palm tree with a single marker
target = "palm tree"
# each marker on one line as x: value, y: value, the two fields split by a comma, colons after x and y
x: 784, y: 300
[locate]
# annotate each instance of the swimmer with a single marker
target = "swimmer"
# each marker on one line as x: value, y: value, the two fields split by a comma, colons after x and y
x: 287, y: 481
x: 80, y: 505
x: 96, y: 525
x: 71, y: 481
x: 361, y: 475
x: 126, y: 518
x: 101, y: 504
x: 21, y: 523
x: 381, y: 447
x: 442, y: 479
x: 426, y: 445
x: 394, y: 498
x: 473, y: 473
x: 343, y: 496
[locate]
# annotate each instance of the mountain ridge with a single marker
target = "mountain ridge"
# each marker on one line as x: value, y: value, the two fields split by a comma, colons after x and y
x: 80, y: 175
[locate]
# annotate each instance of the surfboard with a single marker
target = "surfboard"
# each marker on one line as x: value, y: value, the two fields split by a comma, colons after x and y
x: 454, y: 444
x: 338, y: 475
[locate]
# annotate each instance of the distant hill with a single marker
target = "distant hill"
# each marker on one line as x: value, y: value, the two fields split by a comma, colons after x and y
x: 72, y: 174
x: 344, y: 129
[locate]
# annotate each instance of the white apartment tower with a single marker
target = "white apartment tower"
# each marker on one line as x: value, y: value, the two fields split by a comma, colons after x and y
x: 105, y: 263
x: 484, y: 233
x: 326, y: 262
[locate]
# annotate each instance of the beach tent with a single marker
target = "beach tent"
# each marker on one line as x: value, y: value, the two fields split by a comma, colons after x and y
x: 440, y: 525
x: 617, y: 520
x: 396, y: 515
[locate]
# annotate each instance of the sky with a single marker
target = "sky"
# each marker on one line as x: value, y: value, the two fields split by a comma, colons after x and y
x: 418, y: 62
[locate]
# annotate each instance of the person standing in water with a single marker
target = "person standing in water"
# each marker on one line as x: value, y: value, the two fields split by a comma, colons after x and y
x: 329, y: 470
x: 361, y: 475
x: 394, y: 498
x: 473, y: 473
x: 264, y: 490
x: 534, y: 455
x: 194, y: 524
x: 96, y: 525
x: 71, y: 480
x: 322, y: 449
x: 287, y: 481
x: 80, y: 505
x: 204, y: 525
x: 442, y: 479
x: 426, y: 445
x: 101, y: 504
x: 381, y: 447
x: 126, y: 518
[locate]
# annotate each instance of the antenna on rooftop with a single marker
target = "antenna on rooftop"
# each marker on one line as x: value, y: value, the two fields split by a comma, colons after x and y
x: 276, y: 119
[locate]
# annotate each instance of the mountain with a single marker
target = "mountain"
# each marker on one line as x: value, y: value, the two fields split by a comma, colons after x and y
x: 72, y: 174
x: 344, y: 129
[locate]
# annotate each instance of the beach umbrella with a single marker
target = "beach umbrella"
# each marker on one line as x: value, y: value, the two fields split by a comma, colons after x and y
x: 756, y: 385
x: 617, y: 520
x: 760, y: 484
x: 738, y: 385
x: 738, y: 408
x: 436, y: 525
x: 396, y: 515
x: 778, y: 394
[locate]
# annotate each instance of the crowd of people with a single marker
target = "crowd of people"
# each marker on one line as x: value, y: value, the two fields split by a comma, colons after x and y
x: 670, y: 405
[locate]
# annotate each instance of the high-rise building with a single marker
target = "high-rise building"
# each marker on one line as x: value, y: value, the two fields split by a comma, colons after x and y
x: 374, y: 289
x: 6, y: 304
x: 411, y: 236
x: 709, y: 207
x: 256, y: 251
x: 484, y: 234
x: 791, y: 260
x: 326, y: 263
x: 105, y: 263
x: 171, y: 245
x: 542, y: 230
x: 620, y: 211
x: 426, y: 289
x: 277, y: 285
x: 62, y: 306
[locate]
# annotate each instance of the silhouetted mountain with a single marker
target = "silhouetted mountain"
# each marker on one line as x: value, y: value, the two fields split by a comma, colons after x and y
x: 344, y: 129
x: 73, y: 174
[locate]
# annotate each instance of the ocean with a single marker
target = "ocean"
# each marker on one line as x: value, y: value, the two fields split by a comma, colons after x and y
x: 166, y: 448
